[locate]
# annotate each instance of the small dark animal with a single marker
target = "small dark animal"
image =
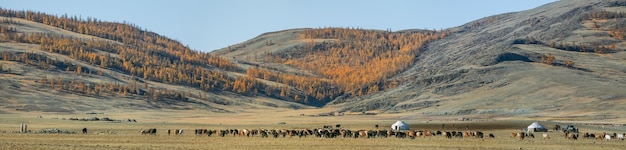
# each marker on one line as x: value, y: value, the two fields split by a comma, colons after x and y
x: 84, y: 130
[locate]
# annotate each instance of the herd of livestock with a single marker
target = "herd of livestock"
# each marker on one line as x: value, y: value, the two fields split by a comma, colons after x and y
x: 346, y: 133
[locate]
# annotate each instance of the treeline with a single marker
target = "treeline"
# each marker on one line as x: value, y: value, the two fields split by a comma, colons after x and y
x: 86, y: 88
x: 356, y: 61
x: 615, y: 22
x: 570, y: 46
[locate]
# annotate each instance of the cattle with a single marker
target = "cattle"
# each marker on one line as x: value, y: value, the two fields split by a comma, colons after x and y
x: 343, y: 133
x: 169, y: 132
x: 400, y: 135
x: 600, y: 136
x: 466, y: 134
x: 382, y: 133
x: 234, y: 132
x: 362, y: 134
x: 491, y: 136
x: 620, y: 136
x: 274, y: 133
x: 479, y: 134
x: 223, y: 133
x: 84, y: 130
x: 371, y: 133
x: 411, y: 134
x: 546, y: 136
x: 557, y: 127
x: 427, y: 133
x: 200, y: 131
x: 521, y: 135
x: 447, y: 135
x: 264, y: 133
x: 607, y: 137
x: 245, y: 132
x: 306, y: 132
x: 458, y: 134
x: 179, y: 131
x: 513, y: 134
x: 571, y: 135
x: 151, y: 131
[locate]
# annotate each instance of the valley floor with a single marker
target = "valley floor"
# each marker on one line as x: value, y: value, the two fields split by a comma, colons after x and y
x: 126, y: 135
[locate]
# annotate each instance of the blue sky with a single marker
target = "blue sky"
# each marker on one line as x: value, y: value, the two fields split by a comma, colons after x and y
x: 207, y: 25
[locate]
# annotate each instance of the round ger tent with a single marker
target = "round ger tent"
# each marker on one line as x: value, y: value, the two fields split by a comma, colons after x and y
x: 536, y: 127
x: 399, y: 125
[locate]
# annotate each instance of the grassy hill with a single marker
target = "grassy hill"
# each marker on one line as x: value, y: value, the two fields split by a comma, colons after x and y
x: 561, y: 61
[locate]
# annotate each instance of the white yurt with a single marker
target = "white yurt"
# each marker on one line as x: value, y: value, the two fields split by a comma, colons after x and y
x: 536, y: 127
x: 399, y: 125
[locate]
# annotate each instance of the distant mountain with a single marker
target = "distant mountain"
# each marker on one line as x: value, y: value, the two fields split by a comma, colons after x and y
x: 562, y: 60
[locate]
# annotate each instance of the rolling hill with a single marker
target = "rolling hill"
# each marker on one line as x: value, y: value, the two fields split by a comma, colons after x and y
x: 561, y: 61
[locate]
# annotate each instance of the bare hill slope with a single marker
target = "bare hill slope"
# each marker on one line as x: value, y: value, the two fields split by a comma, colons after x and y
x: 494, y: 67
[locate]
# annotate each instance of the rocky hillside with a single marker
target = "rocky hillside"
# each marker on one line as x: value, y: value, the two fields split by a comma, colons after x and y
x: 563, y: 60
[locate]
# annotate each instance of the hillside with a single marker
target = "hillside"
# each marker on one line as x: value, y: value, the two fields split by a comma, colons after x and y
x: 561, y: 61
x: 68, y: 65
x: 548, y: 62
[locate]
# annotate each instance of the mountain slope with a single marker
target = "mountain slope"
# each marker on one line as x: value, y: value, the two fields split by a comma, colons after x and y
x: 493, y: 67
x: 63, y: 64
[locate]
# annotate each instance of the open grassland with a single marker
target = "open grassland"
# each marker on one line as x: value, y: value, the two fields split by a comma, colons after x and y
x: 126, y: 135
x: 189, y: 141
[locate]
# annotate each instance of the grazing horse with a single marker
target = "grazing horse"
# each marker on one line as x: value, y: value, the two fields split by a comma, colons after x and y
x: 84, y: 130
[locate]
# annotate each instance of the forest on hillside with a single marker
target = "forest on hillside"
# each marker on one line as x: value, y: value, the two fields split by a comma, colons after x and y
x: 360, y: 62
